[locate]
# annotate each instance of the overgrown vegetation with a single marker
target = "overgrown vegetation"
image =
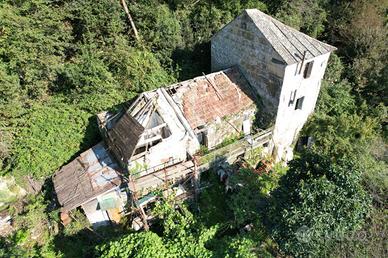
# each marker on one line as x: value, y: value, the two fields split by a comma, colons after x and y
x: 63, y: 61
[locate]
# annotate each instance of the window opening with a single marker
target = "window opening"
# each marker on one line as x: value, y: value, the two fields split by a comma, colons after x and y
x: 307, y: 69
x: 299, y: 103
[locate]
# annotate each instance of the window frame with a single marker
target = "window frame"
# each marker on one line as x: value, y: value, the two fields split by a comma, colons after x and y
x: 308, y: 69
x: 299, y: 103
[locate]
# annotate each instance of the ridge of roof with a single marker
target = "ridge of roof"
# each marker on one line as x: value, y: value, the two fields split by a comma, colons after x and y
x: 287, y: 41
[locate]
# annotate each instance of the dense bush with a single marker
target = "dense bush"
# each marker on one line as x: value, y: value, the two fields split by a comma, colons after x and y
x: 49, y: 135
x: 182, y: 236
x: 317, y: 202
x: 33, y: 42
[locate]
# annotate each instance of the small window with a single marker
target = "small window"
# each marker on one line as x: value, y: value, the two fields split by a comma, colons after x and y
x: 307, y: 69
x: 202, y: 138
x: 140, y: 151
x: 292, y: 98
x: 299, y: 103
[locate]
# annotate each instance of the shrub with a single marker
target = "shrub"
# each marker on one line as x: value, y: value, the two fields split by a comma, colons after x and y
x: 48, y: 136
x: 317, y: 202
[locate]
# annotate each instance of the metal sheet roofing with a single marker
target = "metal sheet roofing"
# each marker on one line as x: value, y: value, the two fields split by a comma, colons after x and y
x: 287, y: 41
x: 92, y: 173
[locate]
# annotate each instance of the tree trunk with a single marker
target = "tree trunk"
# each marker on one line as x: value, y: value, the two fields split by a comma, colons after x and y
x: 124, y: 4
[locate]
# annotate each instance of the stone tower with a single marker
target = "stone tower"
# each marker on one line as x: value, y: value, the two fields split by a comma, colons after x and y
x: 283, y: 65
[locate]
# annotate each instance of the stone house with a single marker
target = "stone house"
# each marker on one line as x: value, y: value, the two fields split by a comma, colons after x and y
x: 261, y: 68
x: 161, y: 130
x: 284, y: 66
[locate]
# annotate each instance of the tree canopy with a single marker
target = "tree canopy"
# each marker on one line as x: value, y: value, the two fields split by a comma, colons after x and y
x: 317, y: 202
x: 63, y: 61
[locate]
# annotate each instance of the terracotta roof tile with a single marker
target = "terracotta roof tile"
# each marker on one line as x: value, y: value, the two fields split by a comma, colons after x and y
x: 216, y: 95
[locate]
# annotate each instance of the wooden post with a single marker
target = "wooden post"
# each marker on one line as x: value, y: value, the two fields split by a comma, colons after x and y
x: 196, y: 179
x: 165, y: 179
x: 142, y: 213
x: 124, y: 4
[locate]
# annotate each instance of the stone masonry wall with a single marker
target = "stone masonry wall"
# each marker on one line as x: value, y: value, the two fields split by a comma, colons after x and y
x: 241, y: 43
x: 232, y: 125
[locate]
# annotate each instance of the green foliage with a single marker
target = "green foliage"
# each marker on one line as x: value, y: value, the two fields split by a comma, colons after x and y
x: 317, y: 201
x: 48, y: 136
x: 99, y: 23
x: 79, y: 223
x: 375, y: 178
x: 88, y: 76
x: 369, y: 241
x: 5, y: 145
x: 34, y: 236
x: 212, y: 201
x: 160, y: 28
x: 183, y: 236
x: 187, y: 236
x: 10, y: 104
x: 344, y: 128
x: 254, y: 156
x: 230, y: 139
x: 310, y: 20
x: 340, y: 127
x: 143, y: 244
x: 335, y: 97
x: 33, y: 42
x: 359, y: 27
x: 250, y: 192
x: 97, y: 81
x: 246, y: 200
x: 136, y: 70
x: 345, y: 135
x: 238, y: 247
x: 203, y: 150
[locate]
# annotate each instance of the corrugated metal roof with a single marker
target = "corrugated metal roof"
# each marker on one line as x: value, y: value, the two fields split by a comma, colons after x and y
x: 288, y: 42
x: 92, y: 173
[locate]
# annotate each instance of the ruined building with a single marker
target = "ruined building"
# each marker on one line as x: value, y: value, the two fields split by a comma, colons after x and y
x: 262, y: 68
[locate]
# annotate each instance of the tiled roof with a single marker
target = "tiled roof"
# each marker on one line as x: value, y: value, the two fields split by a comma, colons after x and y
x: 288, y: 42
x: 215, y: 95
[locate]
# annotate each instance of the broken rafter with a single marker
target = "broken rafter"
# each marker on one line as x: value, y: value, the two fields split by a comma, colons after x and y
x: 219, y: 95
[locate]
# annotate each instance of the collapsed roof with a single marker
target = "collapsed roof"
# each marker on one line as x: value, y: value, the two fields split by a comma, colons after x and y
x: 196, y: 102
x: 218, y: 94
